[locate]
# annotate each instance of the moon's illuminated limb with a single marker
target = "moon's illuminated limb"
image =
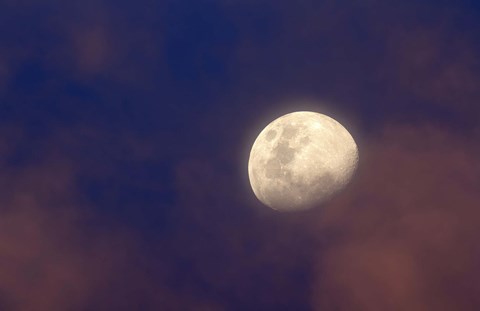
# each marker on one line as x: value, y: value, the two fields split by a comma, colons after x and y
x: 301, y: 160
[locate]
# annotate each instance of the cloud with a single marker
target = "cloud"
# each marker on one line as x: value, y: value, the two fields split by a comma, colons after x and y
x: 404, y: 237
x: 53, y: 253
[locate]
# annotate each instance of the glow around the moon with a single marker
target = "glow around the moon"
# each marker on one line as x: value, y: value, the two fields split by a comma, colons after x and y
x: 300, y: 160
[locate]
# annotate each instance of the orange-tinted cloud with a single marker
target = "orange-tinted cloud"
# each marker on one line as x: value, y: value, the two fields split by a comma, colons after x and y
x: 405, y: 235
x: 50, y: 257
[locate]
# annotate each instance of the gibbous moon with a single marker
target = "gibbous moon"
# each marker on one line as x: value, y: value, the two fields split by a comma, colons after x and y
x: 301, y: 160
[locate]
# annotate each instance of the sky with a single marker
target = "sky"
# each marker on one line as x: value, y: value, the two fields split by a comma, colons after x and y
x: 125, y: 129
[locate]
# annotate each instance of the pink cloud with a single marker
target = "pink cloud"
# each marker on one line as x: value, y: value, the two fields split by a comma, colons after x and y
x: 407, y: 229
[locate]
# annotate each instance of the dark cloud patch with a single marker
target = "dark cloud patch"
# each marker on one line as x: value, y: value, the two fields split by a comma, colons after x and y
x: 382, y: 61
x: 245, y: 266
x: 199, y: 40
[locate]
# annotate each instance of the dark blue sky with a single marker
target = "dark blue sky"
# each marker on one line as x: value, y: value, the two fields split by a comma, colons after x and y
x: 125, y: 129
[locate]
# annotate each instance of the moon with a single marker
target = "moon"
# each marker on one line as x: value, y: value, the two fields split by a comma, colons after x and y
x: 301, y: 160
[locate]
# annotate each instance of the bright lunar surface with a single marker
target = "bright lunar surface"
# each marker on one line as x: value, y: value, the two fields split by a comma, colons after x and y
x: 300, y: 160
